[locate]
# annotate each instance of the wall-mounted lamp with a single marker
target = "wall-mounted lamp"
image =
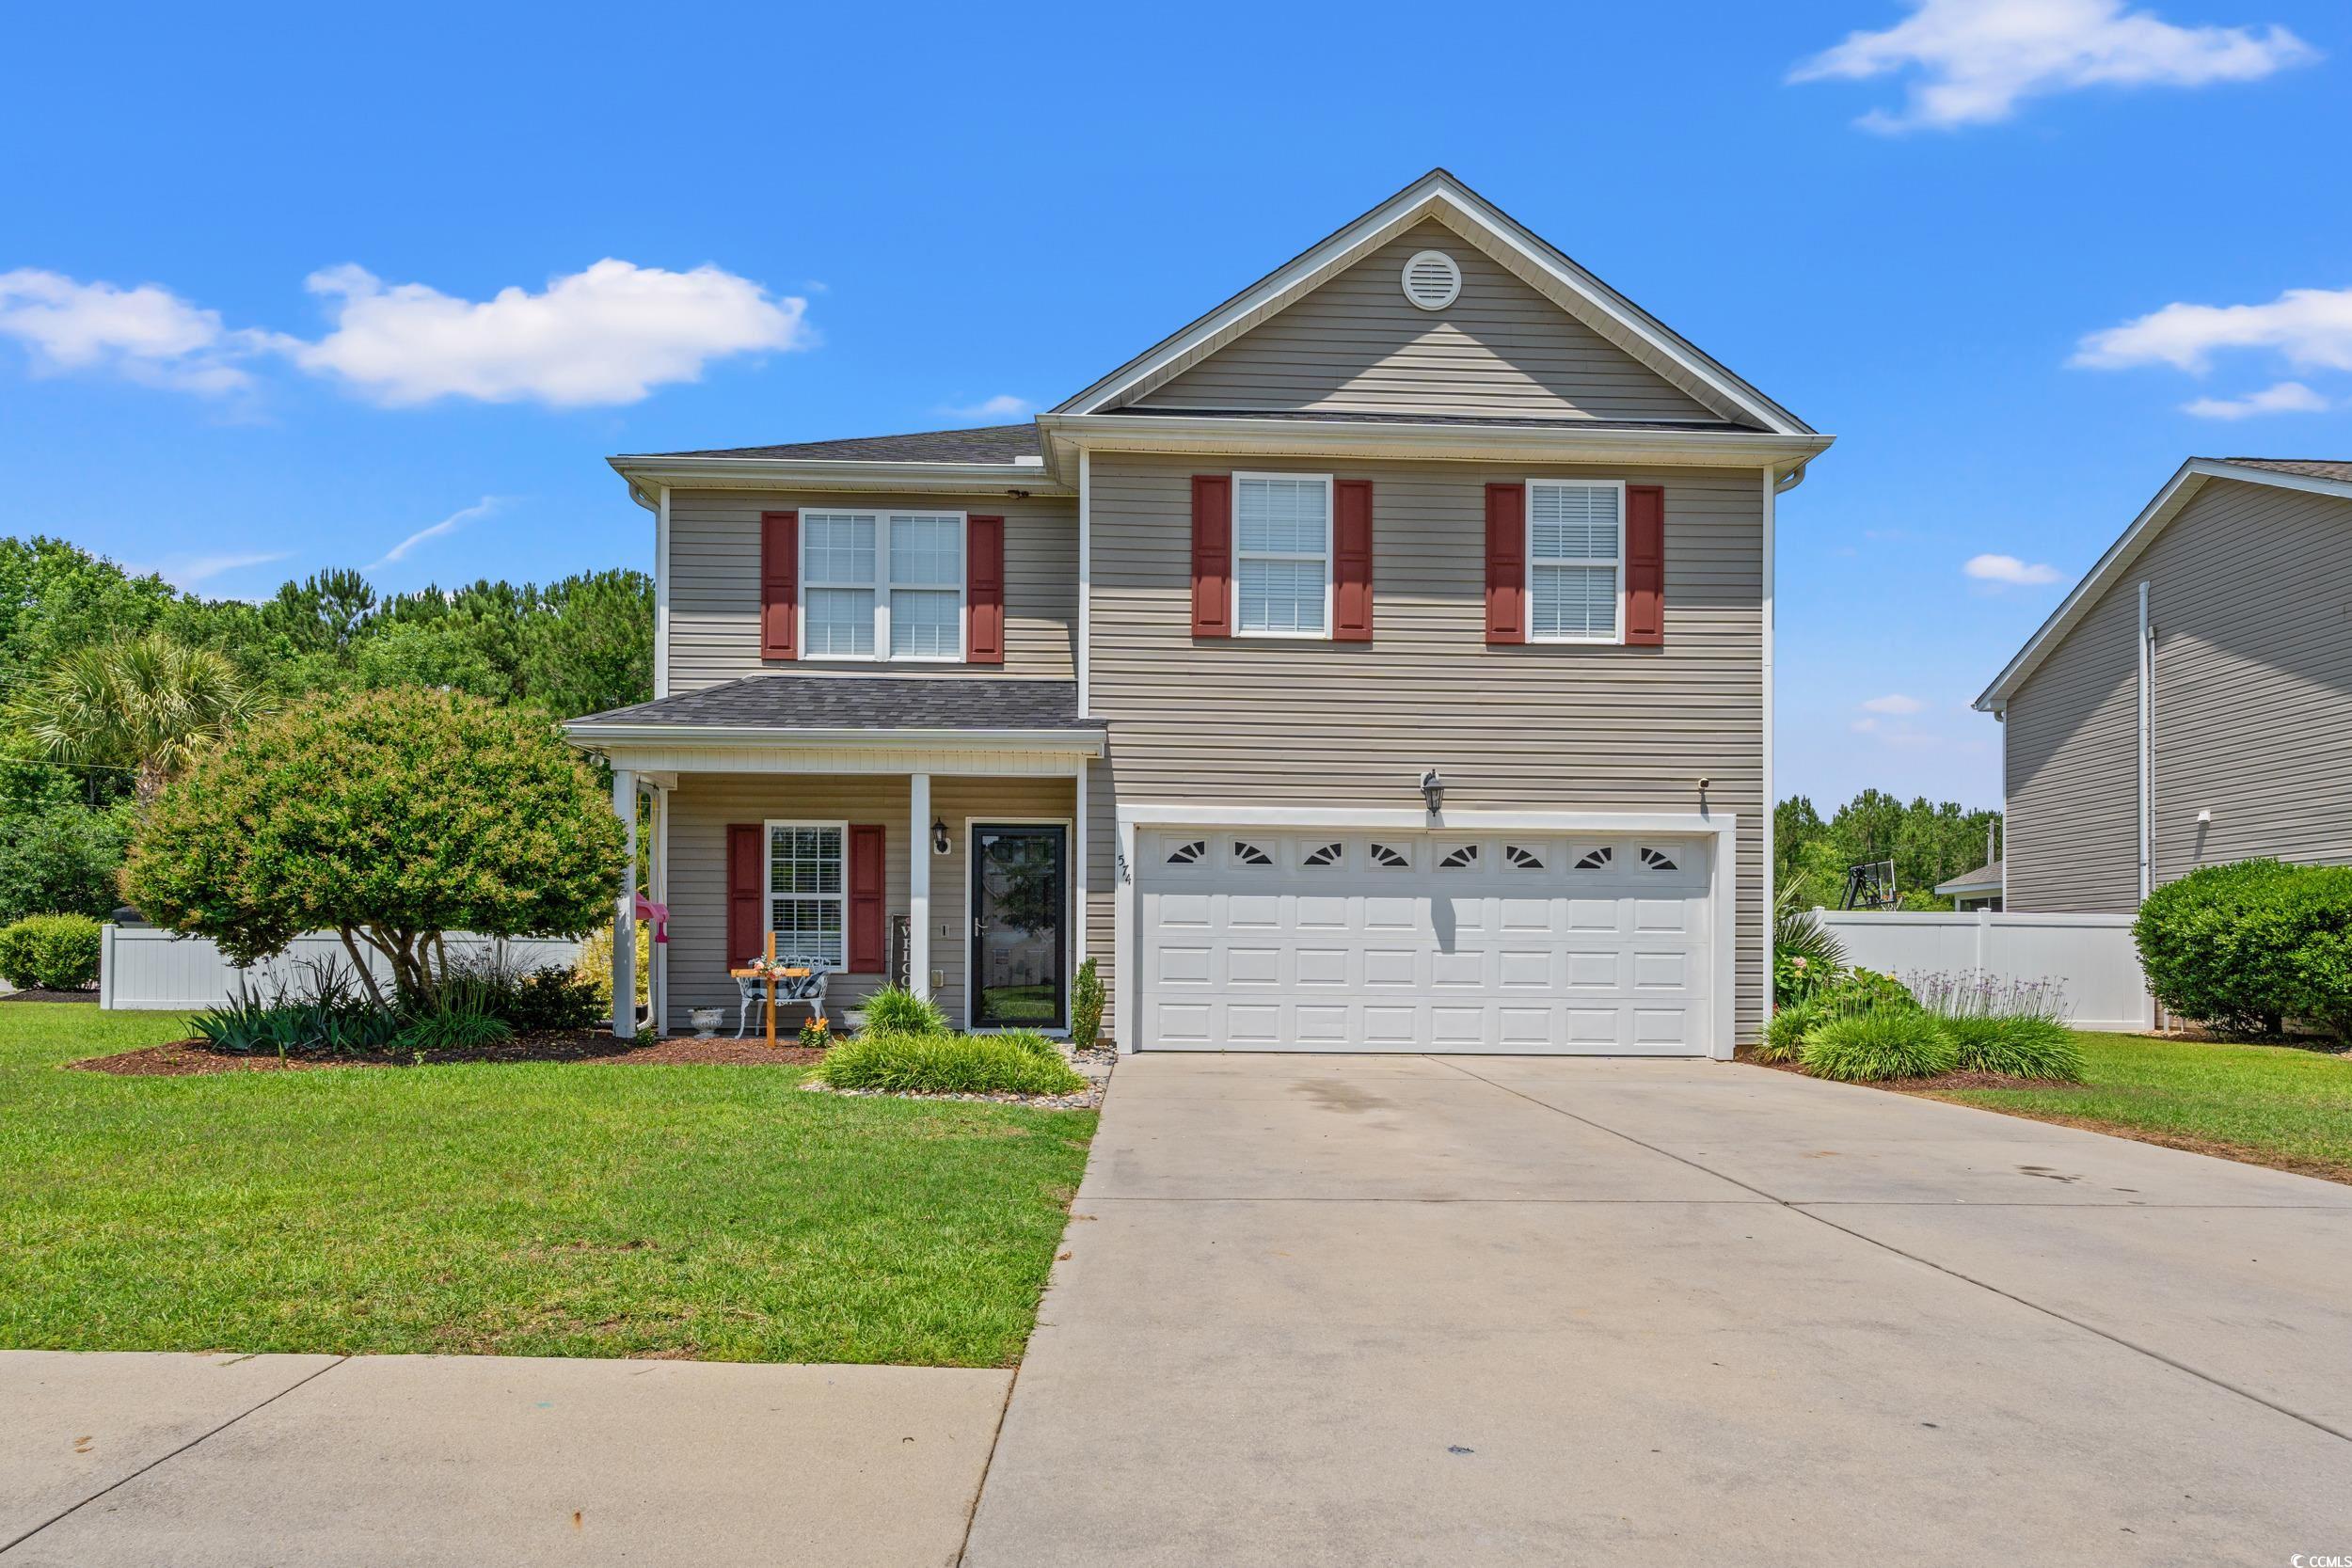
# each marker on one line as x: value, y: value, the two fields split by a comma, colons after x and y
x: 1433, y: 790
x: 941, y: 844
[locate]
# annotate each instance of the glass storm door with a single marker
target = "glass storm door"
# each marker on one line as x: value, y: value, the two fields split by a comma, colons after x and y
x: 1020, y: 893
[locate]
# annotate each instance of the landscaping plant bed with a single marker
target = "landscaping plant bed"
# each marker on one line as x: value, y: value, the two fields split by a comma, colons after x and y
x: 37, y: 994
x: 1094, y: 1065
x: 191, y: 1058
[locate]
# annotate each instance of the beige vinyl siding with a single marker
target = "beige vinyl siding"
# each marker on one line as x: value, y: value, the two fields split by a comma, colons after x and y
x: 2250, y: 594
x: 714, y: 583
x: 704, y: 804
x: 1255, y: 721
x: 1357, y: 344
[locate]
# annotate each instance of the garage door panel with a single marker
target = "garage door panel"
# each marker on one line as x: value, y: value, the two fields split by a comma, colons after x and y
x: 1324, y: 941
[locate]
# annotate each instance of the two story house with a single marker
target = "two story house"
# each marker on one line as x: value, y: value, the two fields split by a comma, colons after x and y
x: 1381, y: 662
x: 2189, y: 702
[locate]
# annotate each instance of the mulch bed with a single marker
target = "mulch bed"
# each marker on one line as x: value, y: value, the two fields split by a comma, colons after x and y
x: 90, y: 996
x: 193, y: 1059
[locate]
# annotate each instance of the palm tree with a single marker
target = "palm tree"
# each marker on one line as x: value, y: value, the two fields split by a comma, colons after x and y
x: 147, y: 705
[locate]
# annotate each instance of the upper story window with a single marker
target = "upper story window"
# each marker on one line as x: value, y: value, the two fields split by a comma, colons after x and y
x: 882, y: 584
x: 1283, y: 555
x: 1575, y: 559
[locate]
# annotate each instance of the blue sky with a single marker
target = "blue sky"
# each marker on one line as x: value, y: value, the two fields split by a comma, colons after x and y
x: 251, y: 274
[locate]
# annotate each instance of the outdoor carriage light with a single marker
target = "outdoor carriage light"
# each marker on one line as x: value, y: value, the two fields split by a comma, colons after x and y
x: 940, y: 843
x: 1433, y: 790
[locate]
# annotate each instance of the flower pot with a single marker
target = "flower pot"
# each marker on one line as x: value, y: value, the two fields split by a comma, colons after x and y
x: 706, y: 1021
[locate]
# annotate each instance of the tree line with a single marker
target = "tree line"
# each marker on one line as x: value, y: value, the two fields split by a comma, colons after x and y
x: 1929, y: 843
x: 111, y: 681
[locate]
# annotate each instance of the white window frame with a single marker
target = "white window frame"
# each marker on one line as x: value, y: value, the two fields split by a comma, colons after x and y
x: 1527, y: 550
x: 768, y: 882
x: 1330, y: 532
x: 882, y: 584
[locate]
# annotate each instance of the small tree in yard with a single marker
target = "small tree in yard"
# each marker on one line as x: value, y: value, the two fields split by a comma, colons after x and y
x: 391, y: 817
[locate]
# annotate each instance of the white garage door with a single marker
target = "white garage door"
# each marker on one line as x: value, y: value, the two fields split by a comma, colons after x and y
x: 1337, y: 940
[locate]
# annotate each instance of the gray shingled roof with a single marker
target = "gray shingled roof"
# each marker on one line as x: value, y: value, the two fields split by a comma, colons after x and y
x: 2306, y: 467
x: 996, y: 443
x: 1983, y: 875
x: 866, y: 703
x: 1517, y: 421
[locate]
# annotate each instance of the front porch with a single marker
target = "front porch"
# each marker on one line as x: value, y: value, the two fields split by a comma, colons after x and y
x: 952, y: 858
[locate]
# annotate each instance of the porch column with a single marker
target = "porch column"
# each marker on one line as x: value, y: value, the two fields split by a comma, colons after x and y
x: 919, y: 884
x: 625, y: 912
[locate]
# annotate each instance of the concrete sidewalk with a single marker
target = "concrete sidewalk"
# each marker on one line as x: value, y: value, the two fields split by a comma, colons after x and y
x: 1459, y: 1312
x: 133, y: 1461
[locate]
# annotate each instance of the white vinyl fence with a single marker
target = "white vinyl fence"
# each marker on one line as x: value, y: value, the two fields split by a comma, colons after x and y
x: 2091, y: 955
x: 141, y: 967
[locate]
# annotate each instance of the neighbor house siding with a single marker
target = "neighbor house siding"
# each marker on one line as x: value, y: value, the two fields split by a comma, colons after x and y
x: 1251, y: 722
x: 1357, y: 344
x: 714, y: 582
x: 2250, y: 594
x: 704, y: 804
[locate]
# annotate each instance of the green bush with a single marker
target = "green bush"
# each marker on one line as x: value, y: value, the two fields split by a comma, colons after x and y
x: 2190, y: 936
x: 450, y: 1025
x: 1887, y: 1042
x: 1783, y: 1039
x: 50, y: 952
x: 1806, y: 957
x: 1086, y: 1007
x: 2017, y: 1047
x: 1018, y: 1062
x: 1862, y: 990
x: 895, y: 1010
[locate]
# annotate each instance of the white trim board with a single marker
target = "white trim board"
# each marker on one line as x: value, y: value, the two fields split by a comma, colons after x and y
x: 2182, y: 488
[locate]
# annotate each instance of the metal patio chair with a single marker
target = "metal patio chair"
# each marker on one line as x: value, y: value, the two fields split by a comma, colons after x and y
x: 808, y: 986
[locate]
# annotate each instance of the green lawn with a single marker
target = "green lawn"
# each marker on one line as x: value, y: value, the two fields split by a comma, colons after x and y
x: 2271, y: 1104
x: 555, y: 1209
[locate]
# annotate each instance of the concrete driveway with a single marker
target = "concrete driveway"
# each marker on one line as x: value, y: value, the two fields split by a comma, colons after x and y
x: 1489, y: 1310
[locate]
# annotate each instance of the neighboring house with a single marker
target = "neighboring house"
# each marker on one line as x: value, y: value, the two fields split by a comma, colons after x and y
x: 1979, y: 889
x: 1156, y: 677
x: 2190, y: 702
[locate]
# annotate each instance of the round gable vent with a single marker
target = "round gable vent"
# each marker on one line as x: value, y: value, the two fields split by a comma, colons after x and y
x: 1432, y: 280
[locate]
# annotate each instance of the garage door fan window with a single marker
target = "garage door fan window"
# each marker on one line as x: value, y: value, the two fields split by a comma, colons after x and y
x: 1595, y: 860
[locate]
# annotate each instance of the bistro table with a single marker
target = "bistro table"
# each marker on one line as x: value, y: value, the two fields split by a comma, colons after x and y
x: 796, y: 979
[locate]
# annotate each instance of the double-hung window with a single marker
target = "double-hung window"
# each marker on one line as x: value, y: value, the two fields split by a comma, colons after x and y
x: 1283, y: 555
x: 807, y: 890
x: 885, y: 585
x: 1575, y: 561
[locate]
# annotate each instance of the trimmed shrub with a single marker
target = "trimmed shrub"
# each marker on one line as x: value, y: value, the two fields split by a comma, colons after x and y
x: 895, y: 1010
x: 1889, y: 1042
x: 1783, y: 1039
x: 1018, y: 1062
x: 2017, y: 1046
x: 2191, y: 936
x: 552, y: 997
x: 51, y: 951
x: 1086, y: 1007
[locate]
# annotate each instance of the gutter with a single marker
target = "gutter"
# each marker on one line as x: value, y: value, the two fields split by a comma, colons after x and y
x: 1088, y: 741
x: 655, y: 471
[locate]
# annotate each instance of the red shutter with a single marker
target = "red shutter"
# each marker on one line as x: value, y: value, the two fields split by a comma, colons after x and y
x: 984, y: 591
x: 1351, y: 561
x: 866, y: 897
x: 779, y: 585
x: 1211, y: 555
x: 1645, y: 566
x: 1506, y: 564
x: 747, y: 890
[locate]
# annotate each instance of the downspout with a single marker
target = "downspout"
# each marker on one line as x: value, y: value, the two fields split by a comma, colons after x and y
x: 2147, y: 747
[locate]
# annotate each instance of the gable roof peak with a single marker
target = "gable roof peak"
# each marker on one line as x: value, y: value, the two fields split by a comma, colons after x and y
x: 1444, y: 194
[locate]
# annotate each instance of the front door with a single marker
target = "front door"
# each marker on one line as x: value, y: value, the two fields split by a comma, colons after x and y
x: 1020, y: 896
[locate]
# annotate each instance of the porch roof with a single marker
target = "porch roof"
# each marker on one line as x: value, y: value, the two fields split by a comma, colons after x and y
x: 833, y: 709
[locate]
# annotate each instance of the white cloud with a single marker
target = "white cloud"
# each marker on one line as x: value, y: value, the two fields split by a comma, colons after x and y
x: 2287, y: 397
x: 608, y: 335
x: 1894, y: 702
x: 2311, y: 327
x: 2009, y: 570
x: 1977, y: 58
x: 449, y: 524
x: 1004, y: 406
x: 147, y: 333
x: 187, y: 571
